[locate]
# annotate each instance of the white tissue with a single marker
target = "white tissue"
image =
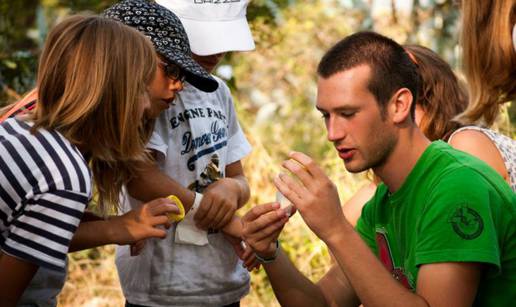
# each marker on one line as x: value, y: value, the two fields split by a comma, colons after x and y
x: 186, y: 230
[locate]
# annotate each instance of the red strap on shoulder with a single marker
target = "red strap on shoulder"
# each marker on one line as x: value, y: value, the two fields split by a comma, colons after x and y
x: 21, y: 104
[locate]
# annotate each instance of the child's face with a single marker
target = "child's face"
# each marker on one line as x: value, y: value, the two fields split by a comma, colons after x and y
x: 209, y: 62
x: 162, y: 90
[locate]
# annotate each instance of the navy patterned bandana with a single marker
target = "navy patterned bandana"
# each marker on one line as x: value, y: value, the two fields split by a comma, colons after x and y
x: 166, y: 33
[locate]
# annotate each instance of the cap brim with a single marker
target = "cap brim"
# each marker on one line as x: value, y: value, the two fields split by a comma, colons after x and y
x: 195, y: 74
x: 210, y: 37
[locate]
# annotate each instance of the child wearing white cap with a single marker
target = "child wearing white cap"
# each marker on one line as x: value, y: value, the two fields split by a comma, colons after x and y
x: 198, y: 144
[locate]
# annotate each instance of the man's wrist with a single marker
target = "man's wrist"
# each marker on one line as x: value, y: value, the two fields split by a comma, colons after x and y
x: 338, y: 235
x: 264, y: 259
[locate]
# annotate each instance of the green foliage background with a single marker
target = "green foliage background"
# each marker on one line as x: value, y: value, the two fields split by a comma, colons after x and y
x: 274, y: 89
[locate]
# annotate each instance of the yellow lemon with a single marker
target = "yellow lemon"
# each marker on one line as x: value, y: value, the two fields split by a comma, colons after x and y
x: 173, y: 217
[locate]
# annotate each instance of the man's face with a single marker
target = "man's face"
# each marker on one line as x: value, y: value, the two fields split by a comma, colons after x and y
x: 353, y: 118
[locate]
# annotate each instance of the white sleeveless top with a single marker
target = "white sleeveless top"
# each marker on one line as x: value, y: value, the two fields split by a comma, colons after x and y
x: 505, y: 145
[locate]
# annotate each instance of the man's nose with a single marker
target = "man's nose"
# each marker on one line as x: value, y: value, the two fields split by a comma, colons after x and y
x: 334, y: 129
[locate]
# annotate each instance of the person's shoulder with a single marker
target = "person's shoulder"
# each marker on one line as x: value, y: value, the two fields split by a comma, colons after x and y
x: 479, y: 143
x: 470, y: 139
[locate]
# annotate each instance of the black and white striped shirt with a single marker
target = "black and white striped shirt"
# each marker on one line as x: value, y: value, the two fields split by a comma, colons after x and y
x: 45, y: 185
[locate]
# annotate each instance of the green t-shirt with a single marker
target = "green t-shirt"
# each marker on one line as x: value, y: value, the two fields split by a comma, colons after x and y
x: 451, y: 208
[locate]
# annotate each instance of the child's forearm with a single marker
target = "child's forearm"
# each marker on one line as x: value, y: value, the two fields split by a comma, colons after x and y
x: 234, y: 227
x: 151, y: 183
x: 243, y: 190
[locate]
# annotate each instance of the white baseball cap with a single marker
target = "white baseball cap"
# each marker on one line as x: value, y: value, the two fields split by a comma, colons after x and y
x: 213, y: 26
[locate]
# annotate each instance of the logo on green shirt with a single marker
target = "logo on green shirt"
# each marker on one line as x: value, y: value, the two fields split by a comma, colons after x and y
x: 467, y: 223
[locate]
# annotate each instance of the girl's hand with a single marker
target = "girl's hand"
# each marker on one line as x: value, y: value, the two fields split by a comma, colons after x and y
x: 142, y: 222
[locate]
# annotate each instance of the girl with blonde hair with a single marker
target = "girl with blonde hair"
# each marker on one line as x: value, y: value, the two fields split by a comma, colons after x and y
x: 489, y: 49
x: 92, y: 85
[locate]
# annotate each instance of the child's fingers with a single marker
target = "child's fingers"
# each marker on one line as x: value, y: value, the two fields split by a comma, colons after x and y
x: 225, y: 219
x: 250, y: 263
x: 204, y: 208
x: 157, y: 233
x: 162, y: 208
x: 206, y: 220
x: 160, y: 220
x: 218, y: 217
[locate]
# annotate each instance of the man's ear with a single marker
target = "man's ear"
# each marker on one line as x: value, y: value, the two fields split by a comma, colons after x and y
x: 400, y: 105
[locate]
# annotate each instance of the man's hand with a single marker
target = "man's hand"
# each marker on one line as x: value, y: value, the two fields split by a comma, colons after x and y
x: 218, y: 205
x: 142, y: 222
x: 314, y: 195
x: 262, y: 226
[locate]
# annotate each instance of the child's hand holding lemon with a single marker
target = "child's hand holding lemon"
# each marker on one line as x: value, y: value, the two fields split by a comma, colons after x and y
x: 176, y: 217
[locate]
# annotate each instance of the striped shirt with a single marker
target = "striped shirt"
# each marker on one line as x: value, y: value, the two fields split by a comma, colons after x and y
x: 45, y: 185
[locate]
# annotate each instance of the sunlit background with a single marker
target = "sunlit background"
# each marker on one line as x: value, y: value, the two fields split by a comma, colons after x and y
x: 274, y: 90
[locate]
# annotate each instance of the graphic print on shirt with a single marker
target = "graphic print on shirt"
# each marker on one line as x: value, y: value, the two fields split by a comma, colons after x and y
x: 196, y: 144
x: 385, y: 255
x: 208, y: 176
x: 466, y: 222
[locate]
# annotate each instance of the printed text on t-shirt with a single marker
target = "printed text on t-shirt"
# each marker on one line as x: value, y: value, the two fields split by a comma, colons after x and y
x: 188, y: 114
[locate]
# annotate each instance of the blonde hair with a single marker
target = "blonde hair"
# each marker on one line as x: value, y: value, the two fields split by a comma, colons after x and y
x: 441, y: 95
x: 489, y: 57
x: 92, y: 79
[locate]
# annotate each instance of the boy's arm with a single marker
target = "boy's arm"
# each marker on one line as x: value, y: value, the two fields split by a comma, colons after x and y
x: 236, y: 171
x: 150, y: 183
x: 220, y: 200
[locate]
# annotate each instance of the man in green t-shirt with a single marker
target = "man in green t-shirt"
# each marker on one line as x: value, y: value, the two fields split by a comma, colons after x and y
x: 441, y: 228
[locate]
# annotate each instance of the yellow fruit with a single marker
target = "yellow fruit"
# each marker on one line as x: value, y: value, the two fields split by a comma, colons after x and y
x: 173, y: 217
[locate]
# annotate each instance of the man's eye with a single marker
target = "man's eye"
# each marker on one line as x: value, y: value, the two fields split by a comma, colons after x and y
x: 347, y: 114
x: 325, y: 115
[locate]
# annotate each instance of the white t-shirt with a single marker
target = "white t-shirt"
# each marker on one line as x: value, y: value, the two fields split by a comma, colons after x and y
x: 197, y: 138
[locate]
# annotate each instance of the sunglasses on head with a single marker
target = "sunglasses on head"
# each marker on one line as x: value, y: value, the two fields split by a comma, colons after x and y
x: 172, y: 71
